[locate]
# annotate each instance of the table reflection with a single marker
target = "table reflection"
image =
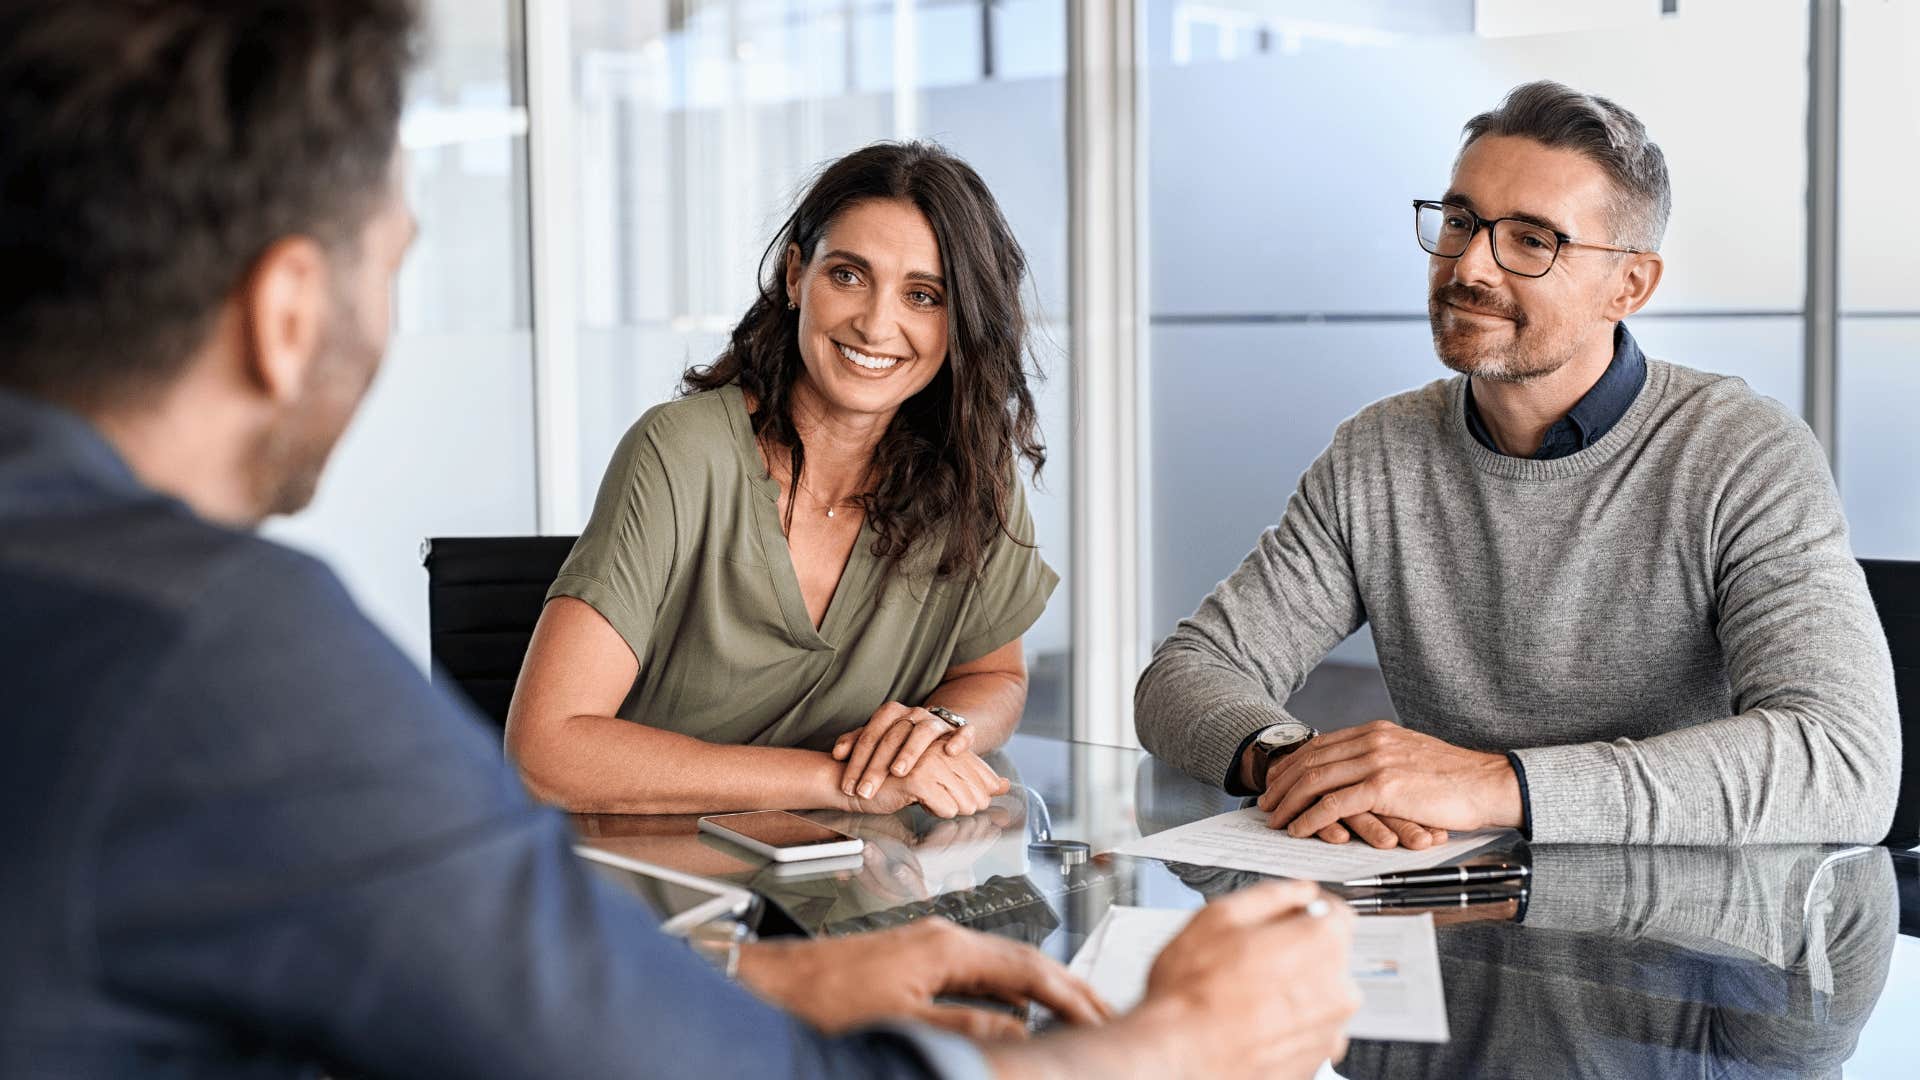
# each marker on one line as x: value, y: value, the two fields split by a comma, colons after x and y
x: 1625, y: 962
x: 1665, y: 961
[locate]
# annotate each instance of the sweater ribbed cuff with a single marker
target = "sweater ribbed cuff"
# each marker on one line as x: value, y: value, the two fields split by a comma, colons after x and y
x: 1578, y: 888
x: 1526, y: 800
x: 1576, y: 793
x: 1221, y: 737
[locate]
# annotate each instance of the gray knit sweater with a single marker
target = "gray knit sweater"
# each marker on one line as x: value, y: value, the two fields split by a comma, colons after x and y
x: 1668, y: 626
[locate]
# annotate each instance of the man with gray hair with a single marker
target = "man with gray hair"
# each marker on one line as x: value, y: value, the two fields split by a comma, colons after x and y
x: 1613, y: 597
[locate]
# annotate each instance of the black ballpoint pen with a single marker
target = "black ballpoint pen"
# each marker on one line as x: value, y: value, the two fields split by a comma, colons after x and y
x: 1443, y: 875
x: 1436, y: 899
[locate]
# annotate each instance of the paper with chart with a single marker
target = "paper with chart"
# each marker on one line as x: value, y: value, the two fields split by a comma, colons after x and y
x: 1394, y: 960
x: 1240, y: 840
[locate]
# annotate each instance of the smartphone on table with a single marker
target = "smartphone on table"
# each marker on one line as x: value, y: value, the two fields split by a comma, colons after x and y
x: 781, y: 836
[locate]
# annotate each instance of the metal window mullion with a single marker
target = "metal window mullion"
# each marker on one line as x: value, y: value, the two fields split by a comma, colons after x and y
x: 1105, y: 242
x: 555, y: 263
x: 1823, y: 227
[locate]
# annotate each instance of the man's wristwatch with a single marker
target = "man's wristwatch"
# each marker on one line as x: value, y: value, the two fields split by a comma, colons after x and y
x: 954, y: 720
x: 1276, y: 741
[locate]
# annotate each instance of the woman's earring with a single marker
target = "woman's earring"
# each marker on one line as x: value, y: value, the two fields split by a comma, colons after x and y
x: 791, y: 306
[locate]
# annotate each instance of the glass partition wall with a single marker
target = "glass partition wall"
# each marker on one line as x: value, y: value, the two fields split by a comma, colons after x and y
x: 1878, y: 372
x: 1281, y: 141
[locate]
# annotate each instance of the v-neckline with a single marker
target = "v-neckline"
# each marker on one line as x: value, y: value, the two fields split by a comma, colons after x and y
x: 778, y: 556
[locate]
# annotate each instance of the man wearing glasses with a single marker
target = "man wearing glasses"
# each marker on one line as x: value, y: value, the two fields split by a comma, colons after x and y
x: 1613, y: 597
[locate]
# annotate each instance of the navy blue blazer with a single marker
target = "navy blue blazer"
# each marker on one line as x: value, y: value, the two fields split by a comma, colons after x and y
x: 243, y: 837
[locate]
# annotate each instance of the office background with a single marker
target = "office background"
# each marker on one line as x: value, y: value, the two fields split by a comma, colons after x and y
x: 596, y: 180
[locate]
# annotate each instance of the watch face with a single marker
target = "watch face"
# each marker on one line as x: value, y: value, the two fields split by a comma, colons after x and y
x: 1284, y: 734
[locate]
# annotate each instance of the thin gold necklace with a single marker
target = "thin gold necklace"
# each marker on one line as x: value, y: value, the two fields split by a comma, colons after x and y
x: 831, y: 507
x: 767, y: 456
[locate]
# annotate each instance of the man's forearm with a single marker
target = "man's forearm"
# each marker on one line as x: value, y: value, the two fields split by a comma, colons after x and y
x: 1763, y: 777
x: 1194, y: 710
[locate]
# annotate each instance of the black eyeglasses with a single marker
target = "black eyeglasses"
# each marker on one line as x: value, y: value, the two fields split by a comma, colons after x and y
x: 1523, y: 248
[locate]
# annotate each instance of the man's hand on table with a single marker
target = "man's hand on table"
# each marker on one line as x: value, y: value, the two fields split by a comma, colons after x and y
x: 846, y: 982
x: 1399, y: 777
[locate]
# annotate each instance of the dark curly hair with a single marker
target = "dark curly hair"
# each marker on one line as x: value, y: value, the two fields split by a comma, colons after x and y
x: 946, y: 464
x: 151, y: 151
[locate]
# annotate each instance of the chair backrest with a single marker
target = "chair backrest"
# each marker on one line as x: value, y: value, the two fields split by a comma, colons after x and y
x: 484, y: 595
x: 1896, y: 594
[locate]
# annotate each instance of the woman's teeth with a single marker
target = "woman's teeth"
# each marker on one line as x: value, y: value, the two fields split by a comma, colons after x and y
x: 871, y: 363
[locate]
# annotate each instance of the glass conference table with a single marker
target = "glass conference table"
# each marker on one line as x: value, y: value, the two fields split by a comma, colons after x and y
x: 1626, y: 962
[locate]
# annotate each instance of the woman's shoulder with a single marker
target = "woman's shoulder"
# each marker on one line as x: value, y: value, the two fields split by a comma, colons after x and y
x: 691, y: 432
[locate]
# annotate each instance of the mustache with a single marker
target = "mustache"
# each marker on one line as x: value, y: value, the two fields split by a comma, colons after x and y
x: 1457, y: 292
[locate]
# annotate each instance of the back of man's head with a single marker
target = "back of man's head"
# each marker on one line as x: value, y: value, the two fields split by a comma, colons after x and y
x: 152, y: 150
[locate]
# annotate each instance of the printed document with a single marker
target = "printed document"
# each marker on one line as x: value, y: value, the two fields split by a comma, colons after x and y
x: 1240, y: 840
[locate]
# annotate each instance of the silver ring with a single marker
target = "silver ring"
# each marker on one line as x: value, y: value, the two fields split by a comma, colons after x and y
x: 1318, y: 908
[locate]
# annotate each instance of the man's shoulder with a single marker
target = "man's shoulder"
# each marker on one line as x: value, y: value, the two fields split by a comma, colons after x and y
x: 153, y: 553
x: 1726, y: 402
x: 1391, y: 420
x: 136, y: 616
x: 1717, y: 424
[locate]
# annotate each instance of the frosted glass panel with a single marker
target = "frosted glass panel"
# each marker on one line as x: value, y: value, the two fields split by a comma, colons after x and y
x: 1879, y: 371
x: 1248, y: 408
x: 1879, y: 149
x: 1281, y: 178
x: 1770, y: 353
x: 1879, y: 445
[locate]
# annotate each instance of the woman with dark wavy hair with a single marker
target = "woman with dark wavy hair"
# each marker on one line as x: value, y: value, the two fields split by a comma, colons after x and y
x: 805, y: 581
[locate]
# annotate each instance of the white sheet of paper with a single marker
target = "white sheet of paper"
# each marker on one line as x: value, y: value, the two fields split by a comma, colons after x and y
x: 1395, y: 961
x: 1081, y: 966
x: 1397, y: 964
x: 1240, y: 840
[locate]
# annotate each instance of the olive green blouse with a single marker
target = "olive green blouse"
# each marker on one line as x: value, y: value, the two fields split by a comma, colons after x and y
x: 685, y: 557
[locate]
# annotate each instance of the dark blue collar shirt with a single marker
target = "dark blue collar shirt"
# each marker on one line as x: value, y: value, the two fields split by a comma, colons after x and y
x: 1594, y: 414
x: 244, y: 836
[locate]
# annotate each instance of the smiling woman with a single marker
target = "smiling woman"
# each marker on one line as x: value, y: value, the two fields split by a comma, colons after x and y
x: 805, y: 582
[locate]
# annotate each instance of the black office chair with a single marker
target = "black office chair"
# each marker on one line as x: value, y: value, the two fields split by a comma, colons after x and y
x: 484, y: 595
x: 1896, y: 594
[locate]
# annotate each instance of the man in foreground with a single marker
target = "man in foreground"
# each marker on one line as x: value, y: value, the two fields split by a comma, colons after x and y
x: 243, y: 835
x: 1613, y: 597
